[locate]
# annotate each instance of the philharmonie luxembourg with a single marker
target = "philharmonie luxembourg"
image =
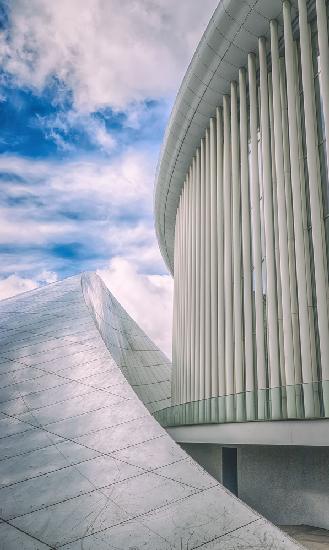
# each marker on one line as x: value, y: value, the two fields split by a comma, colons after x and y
x: 103, y: 442
x: 242, y: 218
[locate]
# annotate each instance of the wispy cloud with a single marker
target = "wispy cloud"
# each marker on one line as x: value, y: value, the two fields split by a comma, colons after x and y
x: 78, y: 212
x: 126, y: 180
x: 59, y: 127
x: 14, y: 284
x: 142, y: 295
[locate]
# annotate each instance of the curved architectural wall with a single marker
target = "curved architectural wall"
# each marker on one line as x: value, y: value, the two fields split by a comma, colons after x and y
x: 82, y: 462
x: 251, y: 231
x: 146, y: 368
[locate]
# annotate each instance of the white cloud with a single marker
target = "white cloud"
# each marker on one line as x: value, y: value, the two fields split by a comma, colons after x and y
x: 100, y: 209
x: 14, y: 284
x: 101, y: 136
x: 128, y: 178
x: 108, y: 52
x: 57, y: 126
x: 17, y: 228
x: 47, y: 277
x: 147, y: 298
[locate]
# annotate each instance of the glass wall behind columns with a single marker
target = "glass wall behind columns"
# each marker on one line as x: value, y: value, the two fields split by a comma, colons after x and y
x: 251, y: 270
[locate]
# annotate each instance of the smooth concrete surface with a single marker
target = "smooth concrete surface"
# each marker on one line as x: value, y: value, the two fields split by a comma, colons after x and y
x: 288, y: 485
x: 220, y: 462
x: 83, y: 464
x: 296, y: 478
x: 310, y: 537
x: 280, y: 432
x: 208, y: 456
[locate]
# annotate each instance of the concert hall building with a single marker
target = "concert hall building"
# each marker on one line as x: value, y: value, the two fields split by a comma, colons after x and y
x: 242, y: 219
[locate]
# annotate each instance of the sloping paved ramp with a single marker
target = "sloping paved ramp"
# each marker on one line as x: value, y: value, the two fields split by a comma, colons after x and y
x: 83, y: 464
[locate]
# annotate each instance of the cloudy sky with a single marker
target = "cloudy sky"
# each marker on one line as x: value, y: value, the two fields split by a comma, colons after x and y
x: 86, y: 88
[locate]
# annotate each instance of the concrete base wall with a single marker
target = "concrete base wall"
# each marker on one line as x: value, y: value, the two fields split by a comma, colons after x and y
x: 288, y: 485
x: 208, y: 456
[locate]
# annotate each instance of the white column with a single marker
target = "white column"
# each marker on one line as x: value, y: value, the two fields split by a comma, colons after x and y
x: 175, y: 313
x: 271, y: 297
x: 229, y: 351
x: 207, y: 270
x: 197, y: 280
x: 187, y: 275
x: 256, y: 237
x: 246, y: 250
x: 202, y: 274
x: 189, y: 285
x: 236, y: 244
x: 179, y: 296
x: 182, y: 294
x: 322, y: 24
x: 185, y: 290
x: 290, y: 225
x: 182, y: 299
x: 301, y: 252
x: 282, y: 225
x: 178, y: 277
x: 193, y: 277
x: 213, y: 259
x: 320, y: 261
x: 276, y: 245
x: 307, y: 229
x: 220, y: 264
x: 177, y: 304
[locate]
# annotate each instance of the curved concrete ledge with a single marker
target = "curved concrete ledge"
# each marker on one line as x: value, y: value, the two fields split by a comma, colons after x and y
x: 281, y: 432
x: 83, y: 464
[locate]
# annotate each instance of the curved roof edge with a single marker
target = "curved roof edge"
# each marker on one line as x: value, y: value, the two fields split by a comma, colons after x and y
x: 231, y: 34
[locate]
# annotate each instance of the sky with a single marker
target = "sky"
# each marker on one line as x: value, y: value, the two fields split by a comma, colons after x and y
x: 86, y: 89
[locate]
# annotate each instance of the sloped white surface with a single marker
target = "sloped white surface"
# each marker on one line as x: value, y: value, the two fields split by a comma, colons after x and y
x: 83, y: 464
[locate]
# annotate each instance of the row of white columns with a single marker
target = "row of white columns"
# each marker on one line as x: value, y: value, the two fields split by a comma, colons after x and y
x: 230, y: 337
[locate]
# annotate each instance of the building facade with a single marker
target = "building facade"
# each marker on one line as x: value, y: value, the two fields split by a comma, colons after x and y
x: 242, y: 218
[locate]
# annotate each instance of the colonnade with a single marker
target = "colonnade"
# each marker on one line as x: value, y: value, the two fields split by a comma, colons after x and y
x: 251, y: 292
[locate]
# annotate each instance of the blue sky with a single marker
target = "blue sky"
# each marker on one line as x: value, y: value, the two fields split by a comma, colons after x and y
x: 86, y: 89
